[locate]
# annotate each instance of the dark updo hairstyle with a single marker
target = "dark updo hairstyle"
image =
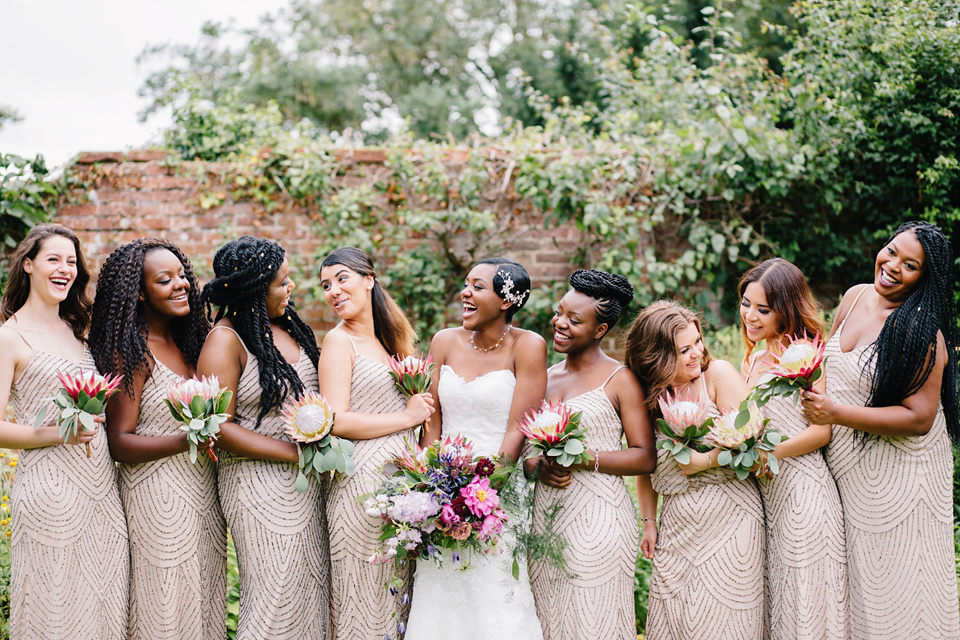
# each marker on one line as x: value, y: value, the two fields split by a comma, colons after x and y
x: 612, y: 292
x: 906, y: 348
x: 390, y: 323
x: 651, y: 350
x: 514, y: 271
x: 788, y: 296
x: 243, y: 270
x: 75, y: 309
x: 118, y: 333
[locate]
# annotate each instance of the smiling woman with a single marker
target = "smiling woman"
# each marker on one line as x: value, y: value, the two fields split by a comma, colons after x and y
x: 66, y: 509
x: 149, y: 325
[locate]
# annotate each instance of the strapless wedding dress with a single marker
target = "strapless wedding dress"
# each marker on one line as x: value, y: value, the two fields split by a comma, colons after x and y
x: 484, y: 601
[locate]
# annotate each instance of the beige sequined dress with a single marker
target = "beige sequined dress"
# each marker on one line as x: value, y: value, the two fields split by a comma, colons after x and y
x: 69, y: 560
x: 898, y: 516
x: 363, y: 605
x: 806, y: 557
x: 178, y: 537
x: 598, y: 522
x: 280, y: 534
x: 708, y: 565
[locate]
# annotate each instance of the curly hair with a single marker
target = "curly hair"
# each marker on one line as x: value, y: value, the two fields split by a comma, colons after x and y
x: 905, y: 351
x: 612, y: 292
x: 517, y: 275
x: 118, y: 333
x: 651, y: 349
x: 788, y: 296
x: 75, y: 309
x: 390, y: 323
x: 243, y: 270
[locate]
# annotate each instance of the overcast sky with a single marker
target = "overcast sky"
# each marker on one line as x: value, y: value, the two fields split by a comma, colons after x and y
x: 68, y: 67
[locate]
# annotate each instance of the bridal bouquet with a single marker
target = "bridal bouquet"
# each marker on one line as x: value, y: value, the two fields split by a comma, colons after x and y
x: 744, y: 445
x: 442, y: 496
x: 201, y: 406
x: 685, y: 425
x: 555, y: 431
x: 797, y: 367
x: 309, y: 422
x: 82, y: 397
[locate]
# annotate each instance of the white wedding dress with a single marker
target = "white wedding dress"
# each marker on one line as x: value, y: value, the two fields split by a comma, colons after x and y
x: 484, y: 601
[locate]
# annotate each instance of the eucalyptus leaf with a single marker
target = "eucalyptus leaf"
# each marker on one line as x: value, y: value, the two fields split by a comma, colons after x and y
x: 301, y: 484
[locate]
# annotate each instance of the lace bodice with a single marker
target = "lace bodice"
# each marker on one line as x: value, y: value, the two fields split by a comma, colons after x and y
x: 479, y: 409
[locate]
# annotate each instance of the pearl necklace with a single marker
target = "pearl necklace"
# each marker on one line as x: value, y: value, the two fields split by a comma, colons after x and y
x: 481, y: 349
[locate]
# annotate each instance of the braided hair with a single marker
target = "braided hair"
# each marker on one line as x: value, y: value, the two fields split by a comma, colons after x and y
x: 511, y: 279
x: 118, y: 334
x: 243, y: 270
x: 612, y: 292
x: 906, y: 348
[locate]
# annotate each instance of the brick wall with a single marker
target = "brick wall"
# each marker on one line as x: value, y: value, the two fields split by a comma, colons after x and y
x: 117, y: 197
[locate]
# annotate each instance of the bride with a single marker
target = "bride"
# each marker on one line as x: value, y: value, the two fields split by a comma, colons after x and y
x: 490, y: 373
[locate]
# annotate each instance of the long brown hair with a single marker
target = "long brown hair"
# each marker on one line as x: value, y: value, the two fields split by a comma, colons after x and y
x: 75, y: 309
x: 651, y: 348
x: 788, y: 296
x: 390, y: 323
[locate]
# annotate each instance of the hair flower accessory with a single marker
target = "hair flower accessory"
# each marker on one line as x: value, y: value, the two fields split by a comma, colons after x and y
x: 506, y: 291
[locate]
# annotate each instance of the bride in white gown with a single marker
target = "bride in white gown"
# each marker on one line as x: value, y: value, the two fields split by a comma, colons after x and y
x: 489, y: 374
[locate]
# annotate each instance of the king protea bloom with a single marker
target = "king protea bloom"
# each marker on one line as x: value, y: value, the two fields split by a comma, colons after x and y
x: 411, y: 374
x: 91, y: 383
x: 727, y: 435
x: 801, y: 359
x: 183, y: 391
x: 555, y: 430
x: 681, y: 410
x: 83, y: 396
x: 308, y: 419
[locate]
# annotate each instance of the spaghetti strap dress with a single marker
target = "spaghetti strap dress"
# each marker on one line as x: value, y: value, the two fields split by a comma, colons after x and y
x: 708, y: 564
x: 898, y: 515
x: 70, y: 565
x: 806, y: 554
x: 363, y: 604
x: 280, y: 534
x: 598, y: 522
x: 178, y: 537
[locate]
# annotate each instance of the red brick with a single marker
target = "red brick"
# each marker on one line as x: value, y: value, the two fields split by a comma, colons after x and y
x: 147, y: 155
x: 92, y: 157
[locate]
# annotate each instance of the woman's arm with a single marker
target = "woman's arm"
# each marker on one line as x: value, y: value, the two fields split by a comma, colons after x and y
x: 223, y: 356
x: 433, y: 429
x: 913, y: 417
x: 333, y: 371
x: 640, y: 456
x: 530, y: 360
x: 123, y: 414
x: 14, y: 354
x: 647, y: 499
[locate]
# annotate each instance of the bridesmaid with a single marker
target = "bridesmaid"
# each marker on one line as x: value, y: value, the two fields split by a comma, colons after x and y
x: 708, y: 561
x: 69, y: 558
x: 806, y: 557
x: 596, y: 515
x: 372, y: 412
x: 149, y: 325
x: 892, y: 396
x: 261, y: 349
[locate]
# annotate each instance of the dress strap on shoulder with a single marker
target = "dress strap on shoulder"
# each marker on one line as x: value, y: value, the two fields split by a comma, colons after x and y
x: 855, y: 301
x: 610, y: 377
x: 231, y: 330
x: 25, y: 341
x: 703, y: 386
x: 352, y: 343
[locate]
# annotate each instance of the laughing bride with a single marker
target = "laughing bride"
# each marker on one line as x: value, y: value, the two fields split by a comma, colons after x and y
x: 490, y: 374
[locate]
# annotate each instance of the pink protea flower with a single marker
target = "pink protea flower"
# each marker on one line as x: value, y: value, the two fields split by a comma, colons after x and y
x: 182, y: 392
x: 308, y: 419
x: 411, y: 374
x: 726, y: 435
x: 548, y: 424
x: 682, y: 410
x: 90, y: 382
x: 480, y: 497
x: 800, y: 359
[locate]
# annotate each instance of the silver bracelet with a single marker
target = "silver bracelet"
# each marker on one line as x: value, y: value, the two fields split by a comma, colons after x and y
x: 596, y: 462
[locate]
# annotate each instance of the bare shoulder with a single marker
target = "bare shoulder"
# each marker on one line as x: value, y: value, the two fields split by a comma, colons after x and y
x: 337, y: 340
x: 624, y: 381
x: 846, y: 303
x: 525, y: 339
x: 12, y: 346
x: 720, y: 370
x: 444, y: 340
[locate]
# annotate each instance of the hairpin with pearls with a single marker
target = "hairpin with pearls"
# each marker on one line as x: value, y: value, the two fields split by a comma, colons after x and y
x: 506, y: 291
